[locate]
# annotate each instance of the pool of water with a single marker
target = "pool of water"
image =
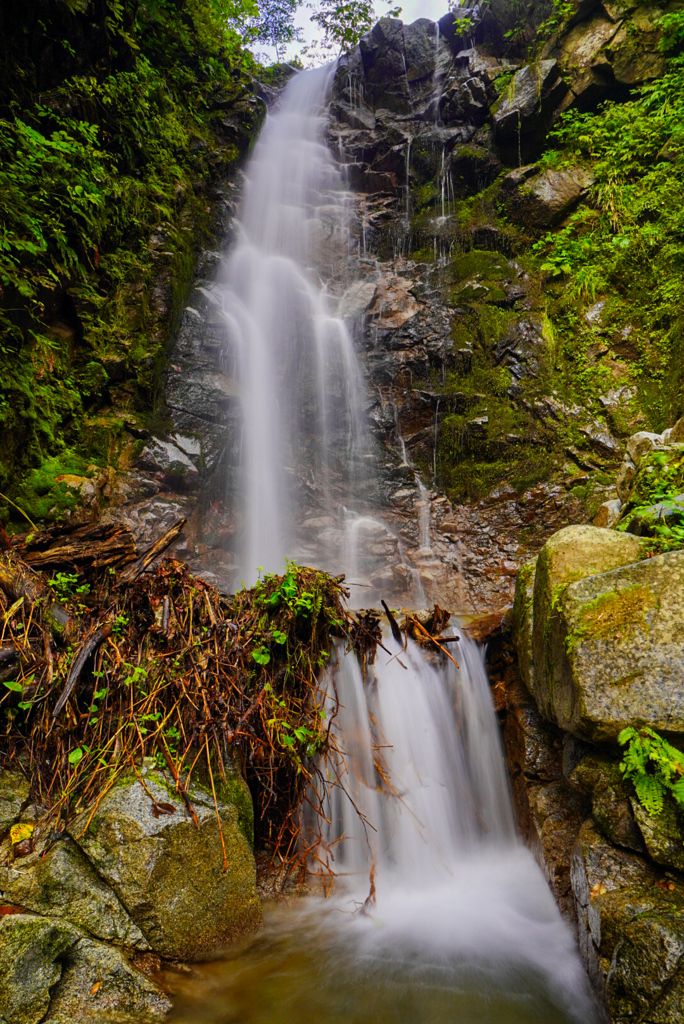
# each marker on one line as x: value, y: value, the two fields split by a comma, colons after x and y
x: 436, y: 957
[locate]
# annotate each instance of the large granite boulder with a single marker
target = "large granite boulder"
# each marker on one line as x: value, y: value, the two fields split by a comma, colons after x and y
x: 169, y: 874
x: 568, y: 556
x: 607, y: 639
x: 51, y: 969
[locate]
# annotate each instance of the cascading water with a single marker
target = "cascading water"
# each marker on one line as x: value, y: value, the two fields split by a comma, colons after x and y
x: 302, y: 391
x: 438, y: 913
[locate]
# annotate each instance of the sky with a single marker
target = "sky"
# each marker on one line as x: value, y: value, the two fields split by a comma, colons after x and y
x: 411, y: 10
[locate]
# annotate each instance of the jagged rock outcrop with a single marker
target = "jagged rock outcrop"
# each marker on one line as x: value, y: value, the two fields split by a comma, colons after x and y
x: 541, y: 199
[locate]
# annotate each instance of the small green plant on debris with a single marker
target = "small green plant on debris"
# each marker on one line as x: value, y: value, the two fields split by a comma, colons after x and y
x: 654, y: 767
x: 164, y: 667
x: 66, y: 585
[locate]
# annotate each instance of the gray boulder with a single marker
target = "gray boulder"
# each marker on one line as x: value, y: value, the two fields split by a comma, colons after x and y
x: 30, y: 952
x: 51, y: 968
x: 168, y: 874
x: 609, y: 649
x: 568, y: 556
x: 540, y: 200
x: 58, y: 880
x: 98, y: 985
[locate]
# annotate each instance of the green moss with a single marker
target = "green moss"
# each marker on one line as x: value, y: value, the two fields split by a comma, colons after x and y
x: 615, y: 617
x: 43, y: 495
x: 104, y: 198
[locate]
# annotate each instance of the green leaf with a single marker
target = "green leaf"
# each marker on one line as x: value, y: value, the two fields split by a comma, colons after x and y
x: 75, y: 756
x: 12, y: 685
x: 261, y: 656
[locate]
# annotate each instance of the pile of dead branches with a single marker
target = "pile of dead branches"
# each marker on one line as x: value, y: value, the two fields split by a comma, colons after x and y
x: 108, y: 659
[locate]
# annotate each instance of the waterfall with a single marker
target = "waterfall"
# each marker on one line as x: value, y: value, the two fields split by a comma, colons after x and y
x: 418, y: 822
x: 301, y: 387
x: 421, y: 835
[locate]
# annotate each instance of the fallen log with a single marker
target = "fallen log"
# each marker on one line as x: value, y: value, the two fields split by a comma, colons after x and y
x: 20, y: 581
x: 130, y: 574
x: 90, y: 545
x: 86, y: 651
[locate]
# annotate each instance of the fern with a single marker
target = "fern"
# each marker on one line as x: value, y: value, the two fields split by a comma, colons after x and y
x: 651, y: 793
x: 654, y: 767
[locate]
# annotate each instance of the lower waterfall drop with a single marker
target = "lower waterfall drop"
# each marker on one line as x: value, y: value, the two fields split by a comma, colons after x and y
x: 422, y: 835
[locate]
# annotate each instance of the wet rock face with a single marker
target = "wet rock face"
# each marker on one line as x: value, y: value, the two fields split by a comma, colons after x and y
x: 523, y: 114
x: 541, y: 200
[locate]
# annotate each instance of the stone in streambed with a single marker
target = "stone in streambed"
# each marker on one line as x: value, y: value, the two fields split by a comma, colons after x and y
x: 58, y: 880
x: 168, y: 874
x: 98, y: 985
x: 49, y: 967
x: 30, y: 951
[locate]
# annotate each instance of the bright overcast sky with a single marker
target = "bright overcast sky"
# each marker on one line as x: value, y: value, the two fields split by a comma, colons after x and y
x: 411, y: 9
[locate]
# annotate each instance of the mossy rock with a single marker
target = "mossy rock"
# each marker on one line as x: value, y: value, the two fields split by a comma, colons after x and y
x: 169, y: 874
x: 58, y: 880
x: 663, y: 834
x: 599, y: 775
x: 569, y: 555
x: 609, y: 648
x: 51, y: 968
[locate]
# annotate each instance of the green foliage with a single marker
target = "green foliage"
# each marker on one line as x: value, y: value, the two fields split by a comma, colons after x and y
x: 659, y: 481
x: 654, y: 766
x: 632, y: 241
x: 102, y: 193
x: 344, y: 22
x: 65, y: 586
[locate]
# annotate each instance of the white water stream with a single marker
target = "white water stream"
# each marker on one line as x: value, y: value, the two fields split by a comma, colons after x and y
x: 302, y: 389
x: 463, y: 926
